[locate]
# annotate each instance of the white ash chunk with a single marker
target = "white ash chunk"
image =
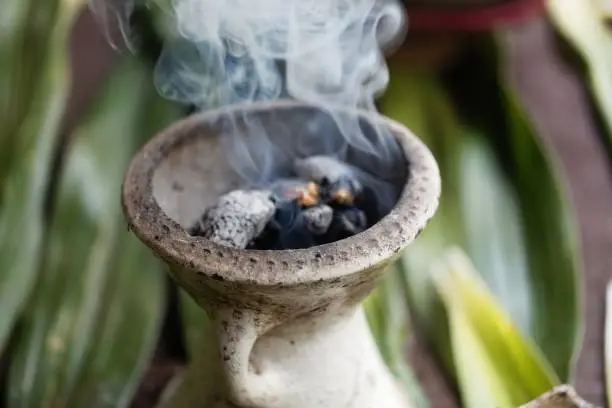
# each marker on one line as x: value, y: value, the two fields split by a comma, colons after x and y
x: 236, y: 218
x: 322, y: 167
x: 318, y: 219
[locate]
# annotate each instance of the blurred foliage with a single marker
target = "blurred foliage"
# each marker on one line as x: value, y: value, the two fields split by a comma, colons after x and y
x: 387, y: 313
x: 33, y: 90
x: 509, y: 369
x: 502, y: 204
x: 93, y: 321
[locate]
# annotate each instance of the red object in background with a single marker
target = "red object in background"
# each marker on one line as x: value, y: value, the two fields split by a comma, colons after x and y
x: 473, y: 18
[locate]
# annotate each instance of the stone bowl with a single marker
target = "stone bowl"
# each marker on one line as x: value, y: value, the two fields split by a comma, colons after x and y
x: 263, y: 304
x: 183, y: 169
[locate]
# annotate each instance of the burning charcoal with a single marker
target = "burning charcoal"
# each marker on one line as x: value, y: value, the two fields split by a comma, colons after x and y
x: 236, y: 218
x: 286, y: 230
x: 318, y: 219
x: 368, y: 203
x: 305, y: 193
x: 347, y: 222
x: 292, y: 231
x: 339, y: 179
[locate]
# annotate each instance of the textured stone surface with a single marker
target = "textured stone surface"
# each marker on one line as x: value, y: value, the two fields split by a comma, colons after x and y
x: 560, y: 397
x: 290, y: 331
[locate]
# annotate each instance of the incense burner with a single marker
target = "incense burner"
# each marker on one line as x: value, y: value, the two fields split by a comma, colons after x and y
x: 288, y: 329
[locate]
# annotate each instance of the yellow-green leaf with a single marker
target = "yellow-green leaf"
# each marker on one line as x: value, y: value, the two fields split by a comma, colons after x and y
x: 580, y: 23
x: 496, y: 365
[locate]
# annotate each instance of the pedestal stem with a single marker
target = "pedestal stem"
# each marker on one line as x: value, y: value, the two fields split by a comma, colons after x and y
x: 322, y: 360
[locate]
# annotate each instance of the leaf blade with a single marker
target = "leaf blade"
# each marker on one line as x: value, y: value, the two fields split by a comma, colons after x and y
x: 86, y: 290
x: 497, y: 149
x: 24, y: 185
x: 387, y: 314
x: 513, y: 366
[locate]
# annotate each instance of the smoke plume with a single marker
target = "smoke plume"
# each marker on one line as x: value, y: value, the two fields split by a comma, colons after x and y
x: 323, y: 52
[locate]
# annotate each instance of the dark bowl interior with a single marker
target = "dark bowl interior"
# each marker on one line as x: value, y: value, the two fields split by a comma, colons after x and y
x: 185, y: 168
x: 235, y: 150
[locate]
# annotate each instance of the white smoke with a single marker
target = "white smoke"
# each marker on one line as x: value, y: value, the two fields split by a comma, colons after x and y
x: 229, y: 50
x: 324, y: 52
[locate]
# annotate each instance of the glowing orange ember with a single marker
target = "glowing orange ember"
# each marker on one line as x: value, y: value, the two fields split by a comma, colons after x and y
x: 343, y: 197
x: 313, y: 189
x: 305, y: 199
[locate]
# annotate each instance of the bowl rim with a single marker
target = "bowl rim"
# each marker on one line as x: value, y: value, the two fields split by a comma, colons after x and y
x: 200, y: 257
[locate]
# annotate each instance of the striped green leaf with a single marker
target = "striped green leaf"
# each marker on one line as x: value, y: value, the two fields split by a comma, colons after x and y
x: 94, y: 319
x: 501, y: 203
x: 25, y: 177
x: 496, y: 365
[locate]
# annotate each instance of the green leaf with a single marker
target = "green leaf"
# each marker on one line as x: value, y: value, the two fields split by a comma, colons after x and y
x: 127, y: 334
x: 195, y: 324
x: 550, y: 234
x: 581, y: 24
x: 94, y: 319
x: 501, y: 203
x: 551, y: 242
x: 24, y: 182
x: 493, y: 229
x: 387, y: 313
x: 496, y: 365
x: 136, y: 293
x: 418, y: 100
x: 29, y: 34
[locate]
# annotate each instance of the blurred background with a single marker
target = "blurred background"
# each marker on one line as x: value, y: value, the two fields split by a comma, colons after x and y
x: 514, y: 98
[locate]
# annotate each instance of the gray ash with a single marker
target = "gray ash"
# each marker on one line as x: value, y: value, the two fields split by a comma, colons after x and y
x: 325, y: 202
x: 236, y: 218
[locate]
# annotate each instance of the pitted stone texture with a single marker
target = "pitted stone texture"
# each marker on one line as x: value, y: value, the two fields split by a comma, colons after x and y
x: 261, y: 301
x: 188, y: 156
x: 563, y: 396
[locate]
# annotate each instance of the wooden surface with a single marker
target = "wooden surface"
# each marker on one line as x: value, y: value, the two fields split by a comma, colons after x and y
x: 558, y: 104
